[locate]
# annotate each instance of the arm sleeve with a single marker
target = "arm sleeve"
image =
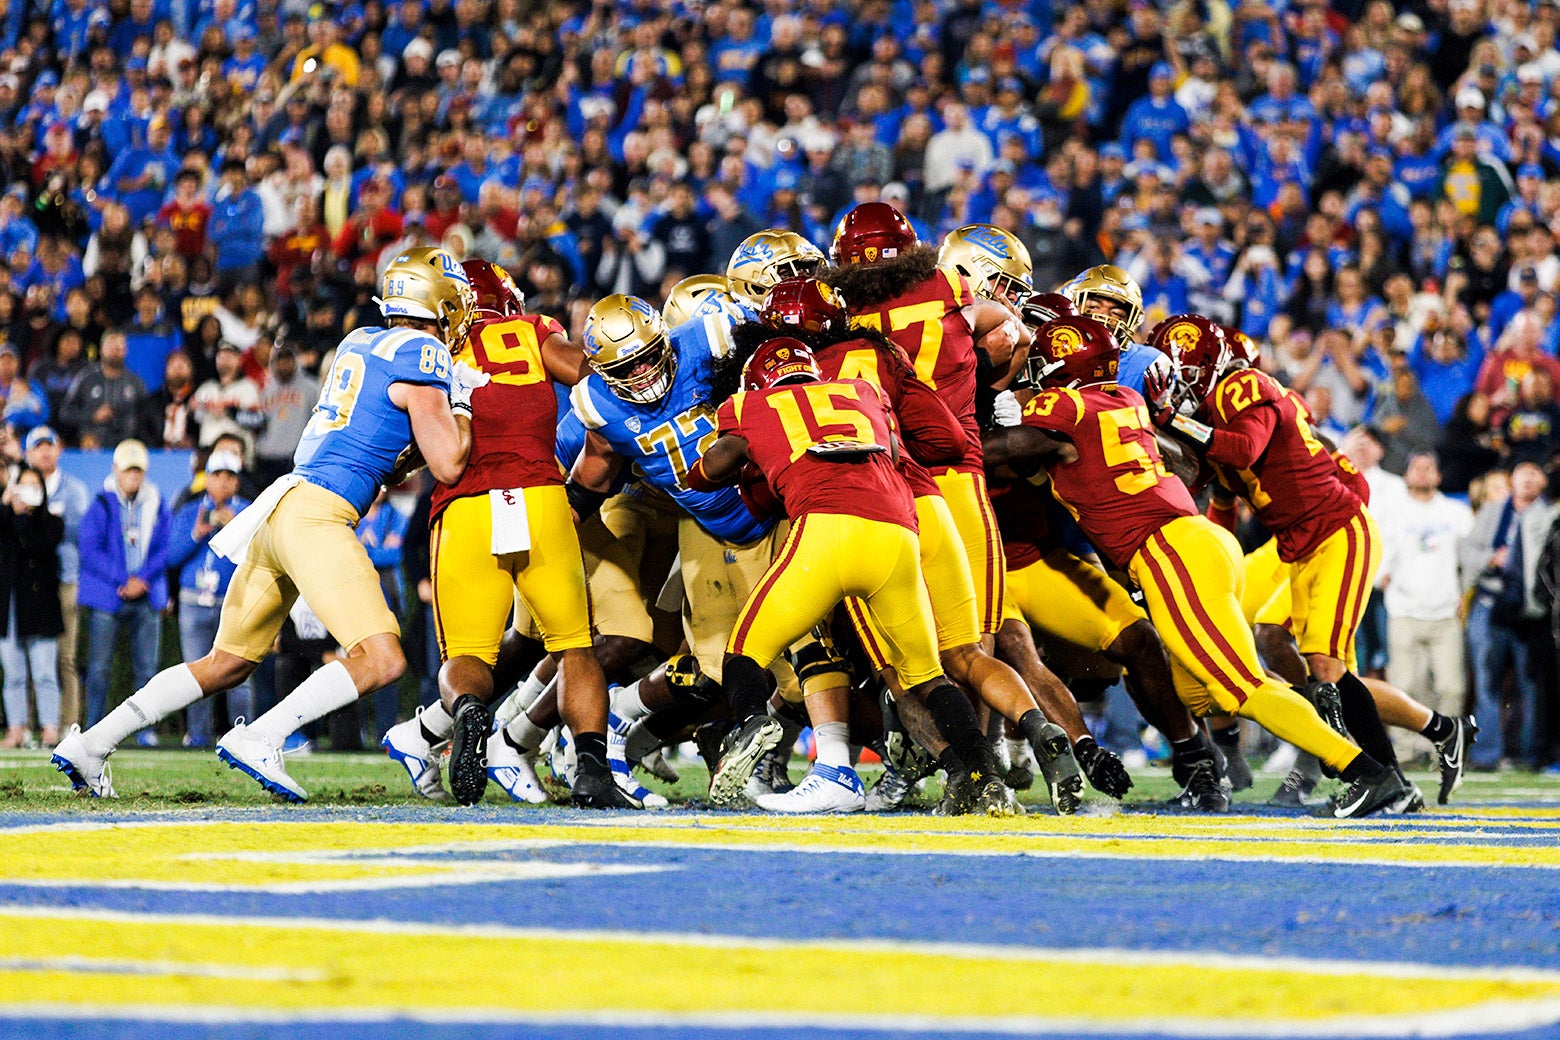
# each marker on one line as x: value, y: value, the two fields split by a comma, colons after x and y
x: 1241, y: 442
x: 932, y: 435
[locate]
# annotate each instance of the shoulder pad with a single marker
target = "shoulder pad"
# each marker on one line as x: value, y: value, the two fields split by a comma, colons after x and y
x: 1054, y: 409
x: 1242, y: 389
x: 584, y: 405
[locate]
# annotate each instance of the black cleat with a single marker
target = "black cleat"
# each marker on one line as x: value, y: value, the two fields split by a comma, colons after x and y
x: 1295, y: 791
x: 1370, y: 793
x: 1204, y: 790
x: 468, y: 750
x: 1328, y: 702
x: 1105, y: 771
x: 1451, y: 755
x: 1054, y: 755
x: 1237, y: 770
x: 599, y: 791
x: 739, y: 755
x: 994, y: 798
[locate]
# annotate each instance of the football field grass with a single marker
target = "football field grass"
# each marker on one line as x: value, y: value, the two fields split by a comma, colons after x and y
x: 195, y: 906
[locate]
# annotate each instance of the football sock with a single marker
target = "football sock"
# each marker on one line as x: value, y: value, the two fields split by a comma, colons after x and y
x: 950, y: 762
x: 955, y: 721
x: 524, y: 735
x: 833, y: 741
x: 437, y: 723
x: 1363, y: 765
x: 747, y: 687
x: 590, y: 754
x: 1032, y: 724
x: 320, y: 694
x: 626, y: 704
x: 167, y: 692
x: 1364, y: 722
x: 1226, y: 738
x: 1439, y: 728
x: 1288, y: 716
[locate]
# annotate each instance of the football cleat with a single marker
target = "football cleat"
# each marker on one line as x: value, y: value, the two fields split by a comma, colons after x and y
x: 1451, y: 755
x: 1105, y: 770
x: 407, y: 744
x: 825, y: 789
x: 890, y: 791
x: 85, y: 771
x: 1369, y: 793
x: 1021, y: 765
x: 1204, y: 791
x: 261, y: 761
x: 741, y: 751
x: 594, y: 791
x: 514, y: 772
x: 622, y: 772
x: 468, y: 750
x: 1236, y: 769
x: 656, y: 765
x: 772, y: 775
x: 1295, y: 792
x: 994, y: 798
x: 1412, y: 799
x: 1328, y: 702
x: 1060, y: 769
x: 560, y: 756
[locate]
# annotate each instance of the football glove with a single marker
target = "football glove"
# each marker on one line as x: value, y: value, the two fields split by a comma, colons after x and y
x: 1006, y: 411
x: 464, y: 380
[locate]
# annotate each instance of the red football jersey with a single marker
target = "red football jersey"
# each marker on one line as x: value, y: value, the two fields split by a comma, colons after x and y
x: 1021, y: 519
x: 928, y: 324
x: 1263, y: 450
x: 790, y: 430
x: 887, y: 368
x: 1118, y: 489
x: 514, y: 418
x: 1352, y: 478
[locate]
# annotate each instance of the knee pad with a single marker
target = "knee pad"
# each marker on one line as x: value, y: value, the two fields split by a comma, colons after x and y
x: 689, y: 683
x: 819, y: 666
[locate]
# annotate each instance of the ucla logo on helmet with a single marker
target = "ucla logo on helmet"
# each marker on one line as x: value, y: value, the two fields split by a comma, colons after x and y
x: 640, y: 307
x: 755, y: 252
x: 989, y: 240
x: 1064, y: 341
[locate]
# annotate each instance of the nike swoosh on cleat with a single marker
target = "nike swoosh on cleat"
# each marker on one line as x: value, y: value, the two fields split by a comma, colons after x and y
x: 1347, y: 810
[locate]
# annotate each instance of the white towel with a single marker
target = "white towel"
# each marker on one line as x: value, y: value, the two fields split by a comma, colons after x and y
x: 233, y: 540
x: 511, y: 523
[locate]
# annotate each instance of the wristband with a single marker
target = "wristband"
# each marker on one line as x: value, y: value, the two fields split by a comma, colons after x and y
x: 1191, y: 429
x: 697, y: 479
x: 583, y: 500
x: 461, y: 408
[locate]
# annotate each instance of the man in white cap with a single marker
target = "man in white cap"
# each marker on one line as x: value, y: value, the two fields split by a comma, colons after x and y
x: 68, y: 500
x: 203, y: 581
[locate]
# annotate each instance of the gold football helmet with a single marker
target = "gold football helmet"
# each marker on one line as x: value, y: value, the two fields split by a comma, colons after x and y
x: 690, y: 295
x: 767, y: 258
x: 625, y: 342
x: 1104, y: 285
x: 993, y: 261
x: 429, y: 283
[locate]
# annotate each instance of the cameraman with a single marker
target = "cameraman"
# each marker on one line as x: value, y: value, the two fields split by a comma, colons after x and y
x: 203, y: 581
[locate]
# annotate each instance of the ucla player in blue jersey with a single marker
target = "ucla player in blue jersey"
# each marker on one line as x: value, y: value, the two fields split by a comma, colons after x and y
x: 393, y: 397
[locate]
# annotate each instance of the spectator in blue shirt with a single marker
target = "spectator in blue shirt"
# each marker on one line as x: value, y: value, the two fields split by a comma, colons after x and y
x: 1157, y: 117
x: 23, y: 402
x: 237, y: 223
x: 1446, y: 365
x: 17, y: 232
x: 203, y: 582
x: 140, y: 177
x: 149, y: 338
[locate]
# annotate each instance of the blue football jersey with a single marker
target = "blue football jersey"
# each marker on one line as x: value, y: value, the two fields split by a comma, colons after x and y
x: 356, y: 435
x: 666, y: 438
x: 1136, y: 360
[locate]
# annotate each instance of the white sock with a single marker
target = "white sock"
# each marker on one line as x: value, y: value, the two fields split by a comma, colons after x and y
x: 527, y: 692
x: 437, y: 720
x: 626, y: 703
x: 525, y: 734
x: 317, y: 696
x: 832, y: 740
x: 168, y: 691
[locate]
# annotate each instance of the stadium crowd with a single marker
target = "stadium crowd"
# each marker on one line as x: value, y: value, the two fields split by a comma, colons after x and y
x: 200, y: 197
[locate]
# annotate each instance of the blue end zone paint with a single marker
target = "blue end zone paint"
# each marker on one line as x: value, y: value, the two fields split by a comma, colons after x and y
x: 1462, y: 916
x: 95, y: 1029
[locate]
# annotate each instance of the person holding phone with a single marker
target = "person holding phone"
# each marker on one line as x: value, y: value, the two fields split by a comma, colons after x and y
x: 30, y: 613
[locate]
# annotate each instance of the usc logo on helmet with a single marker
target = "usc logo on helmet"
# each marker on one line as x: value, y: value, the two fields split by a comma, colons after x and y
x: 1182, y: 334
x: 1065, y: 340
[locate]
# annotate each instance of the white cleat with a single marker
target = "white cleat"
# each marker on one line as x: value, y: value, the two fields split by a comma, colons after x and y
x: 825, y: 789
x: 514, y: 772
x: 261, y: 760
x: 622, y: 772
x: 406, y: 744
x: 560, y: 756
x: 85, y: 771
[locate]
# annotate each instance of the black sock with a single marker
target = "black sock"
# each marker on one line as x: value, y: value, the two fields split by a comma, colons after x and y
x: 955, y: 720
x: 1227, y: 738
x: 1438, y: 728
x: 950, y: 762
x: 590, y: 754
x: 1031, y: 724
x: 431, y: 738
x: 1363, y: 765
x: 747, y: 688
x: 1364, y: 722
x: 1194, y: 747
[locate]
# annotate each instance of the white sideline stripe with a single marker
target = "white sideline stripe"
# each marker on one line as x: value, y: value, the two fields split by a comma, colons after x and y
x: 434, y: 872
x: 1493, y: 1017
x: 1096, y: 956
x: 111, y: 966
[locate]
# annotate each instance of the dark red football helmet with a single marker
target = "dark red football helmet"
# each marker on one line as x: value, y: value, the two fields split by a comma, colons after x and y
x: 496, y: 292
x: 1199, y: 355
x: 871, y: 232
x: 804, y: 303
x: 1244, y: 352
x: 779, y: 361
x: 1042, y: 307
x: 1073, y: 351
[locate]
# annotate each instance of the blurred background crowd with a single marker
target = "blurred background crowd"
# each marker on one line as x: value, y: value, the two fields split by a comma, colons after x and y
x: 198, y: 195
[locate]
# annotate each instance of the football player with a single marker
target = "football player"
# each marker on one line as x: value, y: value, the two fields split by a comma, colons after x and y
x: 765, y: 259
x: 393, y: 397
x: 504, y: 529
x: 827, y: 450
x: 1189, y: 569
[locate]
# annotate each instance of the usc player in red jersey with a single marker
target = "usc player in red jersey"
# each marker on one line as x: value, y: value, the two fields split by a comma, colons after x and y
x: 808, y: 308
x: 828, y: 451
x: 894, y: 285
x: 1189, y: 569
x: 506, y: 527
